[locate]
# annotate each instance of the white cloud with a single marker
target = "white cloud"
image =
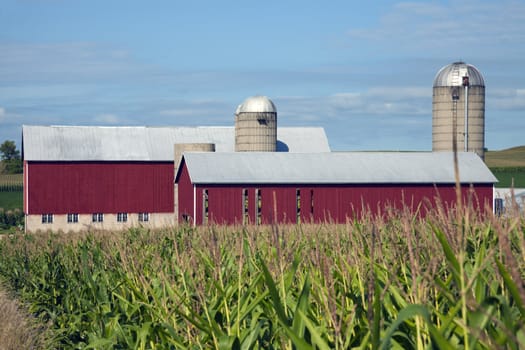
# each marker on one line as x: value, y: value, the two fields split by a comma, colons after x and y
x: 198, y: 112
x: 107, y: 118
x: 506, y: 99
x: 64, y: 63
x: 2, y: 114
x: 455, y: 27
x: 8, y: 117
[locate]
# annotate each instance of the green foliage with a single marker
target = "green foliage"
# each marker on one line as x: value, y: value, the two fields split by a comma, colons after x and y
x: 9, y: 151
x: 10, y: 156
x: 510, y: 177
x: 11, y: 219
x: 11, y: 200
x: 452, y: 280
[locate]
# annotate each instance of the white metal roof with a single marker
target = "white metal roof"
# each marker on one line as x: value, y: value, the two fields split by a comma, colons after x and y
x: 335, y: 168
x: 141, y: 143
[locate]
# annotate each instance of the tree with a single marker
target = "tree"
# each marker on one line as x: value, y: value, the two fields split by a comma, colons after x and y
x: 10, y: 157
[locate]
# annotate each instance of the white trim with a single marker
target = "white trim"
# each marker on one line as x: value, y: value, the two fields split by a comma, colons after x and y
x: 493, y: 199
x: 26, y: 189
x: 26, y: 193
x: 194, y: 205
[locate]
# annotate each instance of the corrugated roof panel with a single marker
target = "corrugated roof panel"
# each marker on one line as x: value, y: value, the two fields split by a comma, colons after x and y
x: 331, y: 168
x: 139, y: 143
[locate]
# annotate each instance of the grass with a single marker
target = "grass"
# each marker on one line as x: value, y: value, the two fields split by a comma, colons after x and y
x: 508, y: 166
x: 452, y: 280
x: 11, y: 200
x: 11, y: 191
x: 512, y: 157
x: 510, y: 177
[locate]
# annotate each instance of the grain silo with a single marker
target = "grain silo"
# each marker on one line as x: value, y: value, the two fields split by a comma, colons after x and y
x: 458, y: 109
x: 256, y: 125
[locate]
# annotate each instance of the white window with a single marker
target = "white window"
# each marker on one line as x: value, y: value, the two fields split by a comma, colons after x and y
x: 122, y: 217
x: 47, y: 218
x: 98, y: 217
x: 143, y: 217
x: 72, y: 218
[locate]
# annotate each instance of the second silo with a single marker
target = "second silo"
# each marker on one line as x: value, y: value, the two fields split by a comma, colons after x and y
x: 458, y: 109
x: 256, y: 125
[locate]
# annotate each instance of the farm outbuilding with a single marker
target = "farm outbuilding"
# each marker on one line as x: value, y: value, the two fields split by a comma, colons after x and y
x: 85, y: 177
x: 91, y: 177
x: 265, y: 188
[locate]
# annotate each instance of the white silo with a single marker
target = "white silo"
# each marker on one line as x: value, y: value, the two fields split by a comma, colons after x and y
x: 256, y: 125
x: 458, y: 109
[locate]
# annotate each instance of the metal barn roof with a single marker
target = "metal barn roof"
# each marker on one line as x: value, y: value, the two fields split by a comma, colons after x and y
x: 335, y: 168
x: 140, y: 143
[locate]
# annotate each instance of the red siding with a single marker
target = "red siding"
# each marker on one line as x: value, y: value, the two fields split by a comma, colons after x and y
x: 330, y: 203
x: 107, y: 187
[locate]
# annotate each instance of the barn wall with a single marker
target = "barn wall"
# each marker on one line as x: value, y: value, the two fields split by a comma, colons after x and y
x: 107, y: 187
x: 325, y: 203
x: 60, y: 223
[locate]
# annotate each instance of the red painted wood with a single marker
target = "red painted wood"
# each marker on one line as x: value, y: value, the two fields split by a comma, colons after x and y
x: 337, y: 203
x: 107, y: 187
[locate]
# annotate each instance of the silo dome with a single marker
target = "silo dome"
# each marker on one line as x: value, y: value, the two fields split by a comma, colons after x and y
x: 256, y: 125
x: 452, y: 75
x: 458, y: 109
x: 256, y: 104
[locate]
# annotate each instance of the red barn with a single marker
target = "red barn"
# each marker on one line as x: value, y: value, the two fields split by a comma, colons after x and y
x: 262, y: 188
x: 85, y: 177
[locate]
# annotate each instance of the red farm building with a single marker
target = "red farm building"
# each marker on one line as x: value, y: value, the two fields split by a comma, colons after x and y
x: 263, y: 188
x: 88, y: 177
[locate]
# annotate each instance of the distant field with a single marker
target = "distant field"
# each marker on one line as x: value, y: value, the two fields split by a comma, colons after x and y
x: 512, y: 157
x: 11, y: 200
x: 508, y: 166
x: 11, y: 191
x: 510, y: 177
x: 12, y: 182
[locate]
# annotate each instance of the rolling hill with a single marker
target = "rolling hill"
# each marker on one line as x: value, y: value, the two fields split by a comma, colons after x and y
x: 507, y: 158
x: 508, y: 166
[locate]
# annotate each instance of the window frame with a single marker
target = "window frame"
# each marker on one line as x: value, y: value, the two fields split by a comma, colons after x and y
x: 122, y: 217
x: 97, y: 217
x: 144, y: 217
x: 72, y: 218
x: 47, y: 218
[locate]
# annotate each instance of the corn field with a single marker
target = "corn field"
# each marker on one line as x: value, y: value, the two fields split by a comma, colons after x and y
x: 453, y: 280
x: 11, y: 183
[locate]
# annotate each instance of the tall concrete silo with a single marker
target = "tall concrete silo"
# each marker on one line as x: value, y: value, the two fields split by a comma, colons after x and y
x: 458, y: 109
x: 256, y: 125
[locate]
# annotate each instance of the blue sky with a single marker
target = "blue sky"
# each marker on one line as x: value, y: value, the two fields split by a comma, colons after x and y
x: 363, y: 70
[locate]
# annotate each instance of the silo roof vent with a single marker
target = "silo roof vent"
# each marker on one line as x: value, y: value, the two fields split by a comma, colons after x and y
x: 453, y: 74
x: 256, y: 104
